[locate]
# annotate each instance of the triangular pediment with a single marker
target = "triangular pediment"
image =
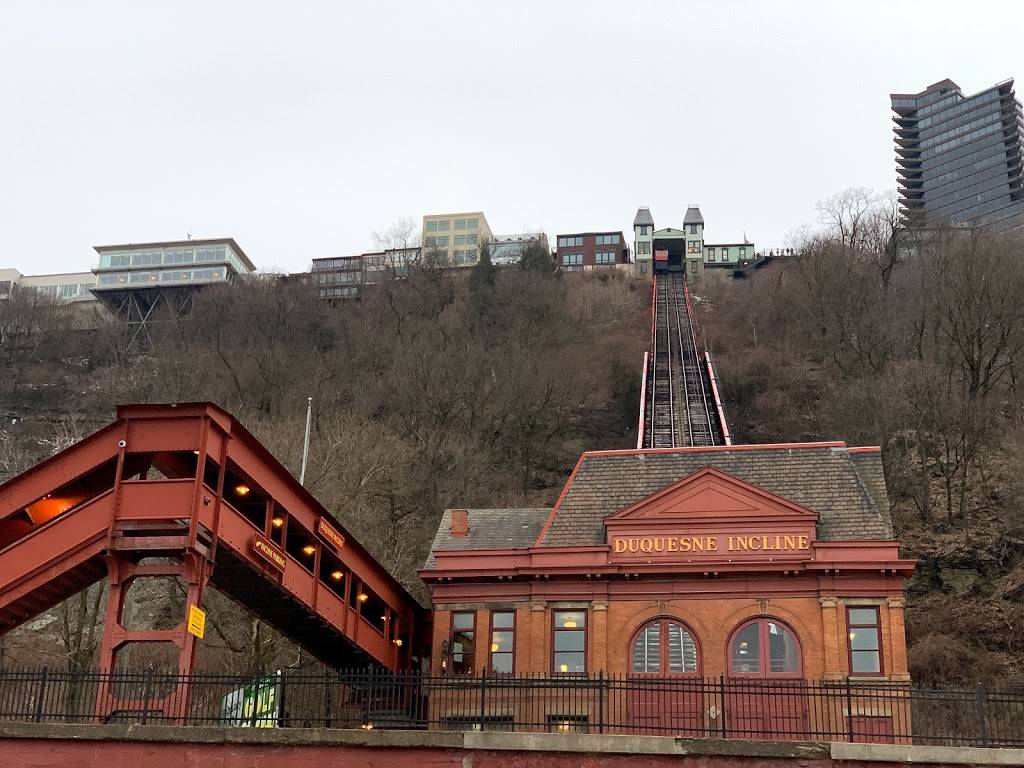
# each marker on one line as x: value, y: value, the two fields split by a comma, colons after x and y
x: 707, y: 495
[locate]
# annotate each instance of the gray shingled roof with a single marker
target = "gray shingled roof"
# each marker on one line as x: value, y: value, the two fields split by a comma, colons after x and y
x: 643, y: 216
x: 846, y: 490
x: 693, y: 216
x: 490, y: 529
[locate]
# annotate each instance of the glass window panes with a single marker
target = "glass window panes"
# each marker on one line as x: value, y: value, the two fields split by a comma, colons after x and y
x: 865, y: 641
x: 647, y: 649
x: 461, y: 643
x: 783, y: 651
x: 680, y: 649
x: 442, y: 226
x: 460, y: 223
x: 472, y: 223
x: 570, y: 640
x: 502, y: 641
x: 746, y: 650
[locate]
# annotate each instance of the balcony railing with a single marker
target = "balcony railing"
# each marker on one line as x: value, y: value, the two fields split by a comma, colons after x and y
x: 796, y: 710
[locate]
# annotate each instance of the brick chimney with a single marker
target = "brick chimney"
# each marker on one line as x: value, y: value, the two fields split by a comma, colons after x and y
x: 460, y: 523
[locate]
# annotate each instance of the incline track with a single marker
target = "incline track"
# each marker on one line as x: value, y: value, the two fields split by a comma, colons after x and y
x: 679, y: 409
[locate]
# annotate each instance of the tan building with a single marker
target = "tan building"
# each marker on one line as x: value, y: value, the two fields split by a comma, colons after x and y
x: 456, y: 235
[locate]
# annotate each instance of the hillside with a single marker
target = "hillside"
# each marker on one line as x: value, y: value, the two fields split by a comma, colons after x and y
x: 439, y: 390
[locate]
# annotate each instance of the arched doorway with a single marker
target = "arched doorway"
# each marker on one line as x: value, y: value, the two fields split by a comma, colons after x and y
x: 665, y: 696
x: 767, y: 695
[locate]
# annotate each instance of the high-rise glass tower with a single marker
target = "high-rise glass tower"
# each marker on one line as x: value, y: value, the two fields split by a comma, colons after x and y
x: 958, y: 158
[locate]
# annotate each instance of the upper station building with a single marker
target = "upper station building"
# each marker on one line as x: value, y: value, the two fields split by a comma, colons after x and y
x: 958, y: 158
x: 66, y: 287
x: 755, y: 562
x: 676, y: 250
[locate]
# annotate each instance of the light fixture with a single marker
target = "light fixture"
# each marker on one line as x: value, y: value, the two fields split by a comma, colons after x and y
x: 337, y: 575
x: 563, y: 668
x: 494, y: 647
x: 242, y: 489
x: 363, y: 597
x: 367, y: 726
x: 398, y: 642
x: 309, y: 549
x: 853, y: 635
x: 277, y: 522
x: 383, y: 618
x: 570, y: 624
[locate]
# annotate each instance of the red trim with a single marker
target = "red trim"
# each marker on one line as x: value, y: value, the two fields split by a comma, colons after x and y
x: 726, y: 437
x: 877, y: 626
x: 865, y: 449
x: 726, y: 479
x: 558, y: 503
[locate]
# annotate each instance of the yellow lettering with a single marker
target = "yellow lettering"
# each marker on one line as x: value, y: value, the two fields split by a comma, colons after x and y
x: 620, y: 546
x: 755, y: 540
x: 646, y: 545
x: 789, y: 542
x: 698, y: 544
x: 659, y: 544
x: 742, y: 543
x: 731, y: 542
x: 685, y: 544
x: 804, y: 542
x: 634, y: 545
x: 673, y: 545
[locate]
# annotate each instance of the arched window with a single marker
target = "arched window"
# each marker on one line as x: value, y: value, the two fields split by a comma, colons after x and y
x: 765, y: 648
x: 663, y: 646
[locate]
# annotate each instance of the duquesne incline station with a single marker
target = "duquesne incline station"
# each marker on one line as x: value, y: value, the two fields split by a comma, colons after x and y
x: 759, y: 563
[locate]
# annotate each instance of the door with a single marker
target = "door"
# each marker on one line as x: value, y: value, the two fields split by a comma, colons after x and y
x: 664, y: 690
x: 766, y: 696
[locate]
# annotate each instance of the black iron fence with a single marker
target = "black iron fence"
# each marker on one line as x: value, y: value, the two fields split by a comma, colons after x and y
x: 844, y: 710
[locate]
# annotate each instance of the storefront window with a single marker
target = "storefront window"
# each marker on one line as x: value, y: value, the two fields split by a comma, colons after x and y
x: 865, y: 648
x: 461, y: 645
x: 766, y: 648
x: 664, y: 645
x: 503, y: 624
x: 570, y: 642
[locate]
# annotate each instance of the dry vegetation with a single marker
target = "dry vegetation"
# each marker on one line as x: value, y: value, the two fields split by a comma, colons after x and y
x: 439, y: 390
x: 922, y: 355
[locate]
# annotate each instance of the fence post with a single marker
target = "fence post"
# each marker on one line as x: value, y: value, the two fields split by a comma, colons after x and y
x: 37, y: 715
x: 601, y: 691
x: 849, y: 711
x: 329, y: 697
x: 147, y: 691
x: 483, y: 696
x: 721, y: 703
x: 981, y: 701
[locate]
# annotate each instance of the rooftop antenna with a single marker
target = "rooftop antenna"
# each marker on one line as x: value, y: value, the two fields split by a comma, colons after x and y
x: 188, y: 232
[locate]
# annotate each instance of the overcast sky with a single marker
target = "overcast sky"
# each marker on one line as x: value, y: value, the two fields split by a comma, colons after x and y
x: 299, y: 128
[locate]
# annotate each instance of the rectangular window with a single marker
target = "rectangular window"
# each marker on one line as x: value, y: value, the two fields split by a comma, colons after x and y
x: 604, y: 257
x: 571, y: 259
x: 460, y: 223
x: 472, y: 223
x: 471, y: 239
x: 431, y: 226
x: 503, y: 641
x: 442, y: 226
x: 693, y: 229
x: 460, y: 239
x: 711, y: 254
x: 442, y: 242
x: 568, y: 724
x: 693, y: 246
x: 643, y: 247
x: 569, y: 654
x: 725, y: 254
x: 743, y: 253
x: 461, y: 645
x: 606, y: 239
x: 865, y: 641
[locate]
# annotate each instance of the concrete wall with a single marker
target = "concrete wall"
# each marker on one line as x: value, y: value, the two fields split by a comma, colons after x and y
x: 93, y: 746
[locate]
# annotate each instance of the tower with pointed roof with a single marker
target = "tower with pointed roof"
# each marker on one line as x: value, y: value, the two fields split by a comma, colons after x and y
x: 643, y: 236
x: 693, y: 225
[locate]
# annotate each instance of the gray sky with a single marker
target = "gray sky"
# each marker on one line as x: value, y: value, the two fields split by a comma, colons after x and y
x: 300, y: 128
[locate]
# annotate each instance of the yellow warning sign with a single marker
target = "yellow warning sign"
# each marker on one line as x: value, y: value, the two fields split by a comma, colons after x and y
x: 196, y: 621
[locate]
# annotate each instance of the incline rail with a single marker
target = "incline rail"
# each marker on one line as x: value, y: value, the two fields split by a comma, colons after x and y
x: 831, y: 710
x: 679, y: 399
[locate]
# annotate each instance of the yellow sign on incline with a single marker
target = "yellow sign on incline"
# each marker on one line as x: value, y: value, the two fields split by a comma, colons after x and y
x: 196, y: 621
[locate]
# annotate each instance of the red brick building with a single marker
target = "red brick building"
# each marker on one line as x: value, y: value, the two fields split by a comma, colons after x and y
x: 764, y: 562
x: 584, y: 251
